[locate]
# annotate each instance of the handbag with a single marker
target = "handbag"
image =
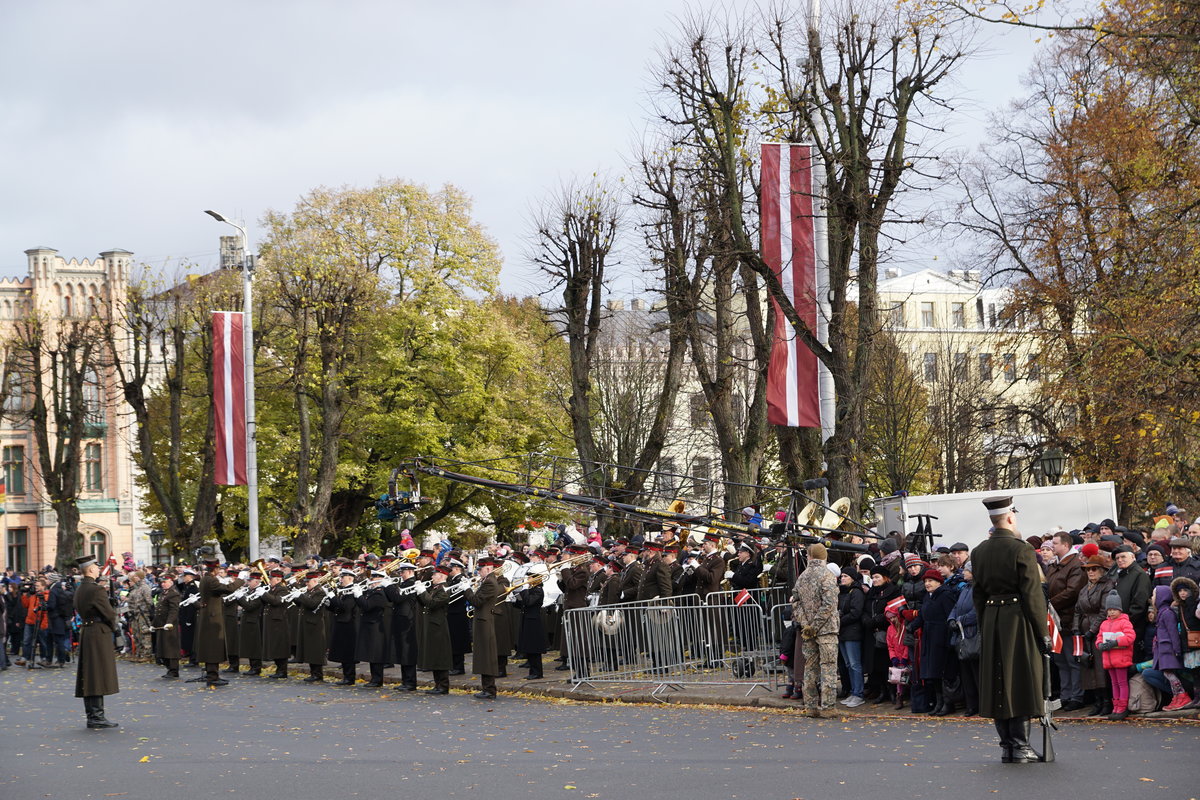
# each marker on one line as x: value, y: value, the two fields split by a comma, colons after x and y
x: 881, y: 639
x: 898, y: 675
x: 967, y: 646
x: 1193, y: 640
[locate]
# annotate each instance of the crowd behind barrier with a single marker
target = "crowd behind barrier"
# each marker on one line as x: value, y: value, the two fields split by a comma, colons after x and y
x: 667, y: 607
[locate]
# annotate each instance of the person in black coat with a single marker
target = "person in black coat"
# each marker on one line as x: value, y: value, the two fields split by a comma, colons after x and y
x: 875, y: 624
x: 250, y: 629
x: 187, y: 587
x: 372, y: 644
x: 344, y: 610
x: 404, y: 627
x: 62, y: 610
x: 532, y: 639
x: 312, y: 641
x: 456, y: 618
x: 277, y: 640
x: 937, y: 663
x: 745, y: 569
x: 851, y: 602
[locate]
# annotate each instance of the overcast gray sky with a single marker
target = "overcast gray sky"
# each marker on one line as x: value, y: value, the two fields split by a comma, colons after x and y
x: 120, y: 121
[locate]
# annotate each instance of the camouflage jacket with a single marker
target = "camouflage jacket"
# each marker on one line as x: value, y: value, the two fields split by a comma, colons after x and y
x: 816, y: 602
x: 140, y: 602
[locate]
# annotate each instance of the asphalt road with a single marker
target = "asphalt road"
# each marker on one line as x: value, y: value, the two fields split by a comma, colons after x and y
x: 259, y: 739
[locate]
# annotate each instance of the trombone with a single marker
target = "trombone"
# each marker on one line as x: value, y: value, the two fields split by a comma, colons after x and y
x: 542, y: 577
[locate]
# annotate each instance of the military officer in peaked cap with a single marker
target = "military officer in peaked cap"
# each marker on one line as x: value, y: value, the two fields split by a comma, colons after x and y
x: 97, y: 672
x: 1011, y: 608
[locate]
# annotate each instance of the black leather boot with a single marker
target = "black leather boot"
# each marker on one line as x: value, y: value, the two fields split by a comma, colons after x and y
x: 939, y: 701
x: 1018, y: 734
x: 1005, y: 743
x: 99, y: 720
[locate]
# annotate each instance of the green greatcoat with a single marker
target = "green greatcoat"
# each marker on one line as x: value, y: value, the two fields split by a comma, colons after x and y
x: 210, y: 619
x: 250, y: 634
x: 166, y: 612
x: 277, y: 641
x: 97, y: 671
x: 313, y: 631
x: 1011, y: 608
x: 485, y: 659
x: 433, y: 649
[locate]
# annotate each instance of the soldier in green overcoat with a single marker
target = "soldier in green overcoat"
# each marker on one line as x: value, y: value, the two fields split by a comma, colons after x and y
x: 166, y: 625
x: 486, y: 659
x: 434, y: 652
x: 210, y: 620
x: 96, y: 675
x: 312, y: 641
x: 277, y: 642
x: 250, y: 633
x: 1011, y: 608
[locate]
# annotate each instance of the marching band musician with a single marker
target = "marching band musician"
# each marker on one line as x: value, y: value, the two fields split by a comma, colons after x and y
x: 210, y: 620
x: 250, y: 634
x: 405, y: 617
x: 434, y: 651
x: 166, y: 625
x: 502, y: 626
x: 574, y: 584
x: 656, y: 575
x: 372, y: 642
x: 293, y: 612
x: 312, y: 640
x: 187, y: 613
x: 710, y: 566
x: 486, y: 660
x: 597, y: 577
x: 277, y: 644
x: 456, y: 617
x: 532, y: 638
x: 631, y: 574
x: 344, y: 610
x: 232, y: 633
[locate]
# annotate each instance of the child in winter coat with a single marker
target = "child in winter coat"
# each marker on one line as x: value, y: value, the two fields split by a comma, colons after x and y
x: 897, y: 650
x: 1115, y: 641
x: 1168, y: 640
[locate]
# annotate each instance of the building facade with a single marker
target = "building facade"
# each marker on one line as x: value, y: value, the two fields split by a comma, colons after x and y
x: 57, y: 290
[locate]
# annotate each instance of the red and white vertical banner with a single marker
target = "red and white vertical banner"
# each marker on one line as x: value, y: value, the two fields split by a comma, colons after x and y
x: 789, y: 248
x: 229, y: 397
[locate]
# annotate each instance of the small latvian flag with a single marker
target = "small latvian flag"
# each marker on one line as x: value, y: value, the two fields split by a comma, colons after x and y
x: 1077, y: 645
x: 1056, y: 640
x: 895, y: 605
x: 1164, y: 572
x: 742, y: 598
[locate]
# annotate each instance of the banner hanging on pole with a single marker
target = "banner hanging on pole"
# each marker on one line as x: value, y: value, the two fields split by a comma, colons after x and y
x: 229, y: 397
x: 789, y: 248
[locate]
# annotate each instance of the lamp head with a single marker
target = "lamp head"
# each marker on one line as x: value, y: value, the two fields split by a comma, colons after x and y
x: 215, y: 216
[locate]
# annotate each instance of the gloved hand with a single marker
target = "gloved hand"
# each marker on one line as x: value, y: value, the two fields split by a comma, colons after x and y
x: 1043, y: 646
x: 1107, y: 645
x: 357, y: 592
x: 728, y: 574
x: 808, y: 632
x: 244, y: 575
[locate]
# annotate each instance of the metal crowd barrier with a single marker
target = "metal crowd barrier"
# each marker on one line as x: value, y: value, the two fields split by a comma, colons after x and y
x: 672, y: 643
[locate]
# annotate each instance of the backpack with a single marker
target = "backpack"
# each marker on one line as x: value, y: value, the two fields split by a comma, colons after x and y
x: 1143, y: 698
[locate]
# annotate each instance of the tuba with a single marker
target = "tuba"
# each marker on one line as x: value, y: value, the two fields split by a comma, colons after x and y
x: 836, y: 513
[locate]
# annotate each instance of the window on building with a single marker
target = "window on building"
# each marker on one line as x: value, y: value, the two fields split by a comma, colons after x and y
x: 698, y: 406
x: 958, y: 315
x: 931, y: 369
x: 987, y: 418
x: 1033, y: 370
x: 18, y: 549
x: 980, y: 320
x: 1014, y: 475
x: 927, y: 319
x: 990, y: 474
x: 985, y: 367
x: 93, y: 406
x: 961, y: 370
x: 665, y: 482
x: 1014, y: 420
x: 897, y: 315
x: 93, y: 472
x: 14, y: 398
x: 1010, y: 368
x: 701, y: 475
x: 14, y: 470
x: 66, y: 305
x: 992, y: 319
x: 98, y: 546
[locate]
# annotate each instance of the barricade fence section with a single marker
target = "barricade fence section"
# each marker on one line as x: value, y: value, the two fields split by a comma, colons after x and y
x: 671, y: 643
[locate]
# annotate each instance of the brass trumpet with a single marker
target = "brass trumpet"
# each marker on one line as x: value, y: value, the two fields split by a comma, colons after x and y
x: 541, y: 578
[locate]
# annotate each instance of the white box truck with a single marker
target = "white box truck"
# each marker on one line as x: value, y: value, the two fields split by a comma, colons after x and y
x: 962, y: 517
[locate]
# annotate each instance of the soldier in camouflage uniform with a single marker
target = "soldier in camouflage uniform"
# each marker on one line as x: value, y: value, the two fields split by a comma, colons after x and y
x: 141, y: 612
x: 815, y: 611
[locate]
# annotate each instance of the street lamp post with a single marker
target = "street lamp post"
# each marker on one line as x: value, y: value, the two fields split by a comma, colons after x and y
x: 248, y: 354
x: 1052, y: 462
x: 156, y: 540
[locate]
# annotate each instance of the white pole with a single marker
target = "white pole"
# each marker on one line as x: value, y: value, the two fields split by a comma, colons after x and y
x: 248, y: 355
